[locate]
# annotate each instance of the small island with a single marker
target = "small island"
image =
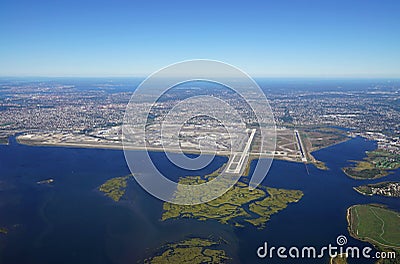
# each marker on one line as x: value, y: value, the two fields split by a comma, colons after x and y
x: 3, y: 230
x: 375, y: 224
x: 236, y: 206
x: 377, y: 164
x: 48, y: 181
x: 389, y: 189
x: 190, y: 251
x: 115, y: 188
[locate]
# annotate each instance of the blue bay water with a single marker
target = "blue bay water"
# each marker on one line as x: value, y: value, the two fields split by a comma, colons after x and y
x: 69, y: 221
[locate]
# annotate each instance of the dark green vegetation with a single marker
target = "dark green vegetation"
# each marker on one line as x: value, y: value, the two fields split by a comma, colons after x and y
x: 384, y: 159
x: 377, y: 225
x: 391, y: 189
x: 3, y: 230
x: 375, y: 165
x: 360, y: 172
x: 190, y: 251
x: 115, y: 187
x: 237, y: 205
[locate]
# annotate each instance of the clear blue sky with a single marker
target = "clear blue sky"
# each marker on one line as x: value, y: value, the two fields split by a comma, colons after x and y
x: 265, y: 38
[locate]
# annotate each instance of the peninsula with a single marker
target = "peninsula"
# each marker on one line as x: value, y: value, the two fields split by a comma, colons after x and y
x: 389, y: 189
x: 377, y: 164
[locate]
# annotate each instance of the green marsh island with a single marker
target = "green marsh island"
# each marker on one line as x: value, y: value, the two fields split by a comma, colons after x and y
x: 377, y: 225
x: 3, y: 230
x: 237, y: 206
x: 377, y: 164
x: 190, y: 251
x: 115, y: 188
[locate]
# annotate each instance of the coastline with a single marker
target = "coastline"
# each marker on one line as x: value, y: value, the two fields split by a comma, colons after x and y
x: 366, y: 169
x: 119, y: 146
x: 376, y: 244
x: 361, y: 178
x: 105, y: 146
x: 369, y: 192
x: 362, y: 193
x: 122, y: 147
x: 333, y: 144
